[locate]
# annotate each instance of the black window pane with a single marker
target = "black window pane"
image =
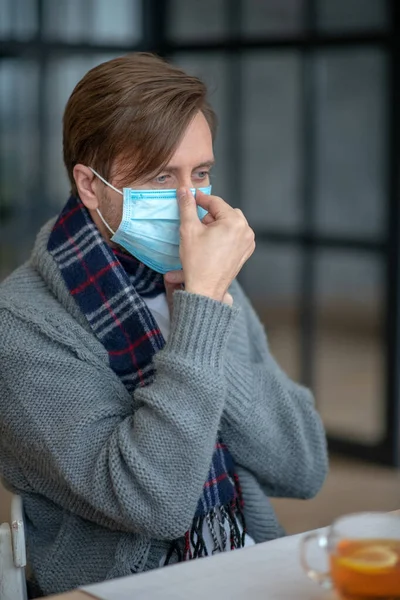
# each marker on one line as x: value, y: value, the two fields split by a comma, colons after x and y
x: 271, y: 280
x: 271, y: 139
x: 272, y: 17
x: 19, y: 145
x: 88, y: 21
x: 352, y: 15
x: 349, y: 352
x: 196, y: 20
x: 18, y: 19
x: 351, y: 142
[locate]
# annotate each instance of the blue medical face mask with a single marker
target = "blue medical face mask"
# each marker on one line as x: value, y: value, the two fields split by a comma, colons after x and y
x: 149, y: 229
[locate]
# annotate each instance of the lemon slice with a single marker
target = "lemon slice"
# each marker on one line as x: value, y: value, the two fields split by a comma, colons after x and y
x: 371, y: 559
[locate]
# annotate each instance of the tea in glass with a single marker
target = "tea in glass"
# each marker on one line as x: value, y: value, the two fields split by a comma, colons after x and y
x: 363, y: 554
x: 368, y: 568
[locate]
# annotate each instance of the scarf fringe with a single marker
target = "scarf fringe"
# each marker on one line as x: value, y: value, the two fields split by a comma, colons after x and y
x: 193, y: 544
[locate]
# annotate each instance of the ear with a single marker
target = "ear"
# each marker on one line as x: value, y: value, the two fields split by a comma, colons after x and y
x: 87, y: 185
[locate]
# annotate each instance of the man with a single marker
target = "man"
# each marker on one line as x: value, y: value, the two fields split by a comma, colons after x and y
x: 142, y: 417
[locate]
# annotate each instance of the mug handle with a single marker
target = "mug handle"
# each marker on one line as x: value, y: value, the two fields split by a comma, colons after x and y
x: 322, y: 578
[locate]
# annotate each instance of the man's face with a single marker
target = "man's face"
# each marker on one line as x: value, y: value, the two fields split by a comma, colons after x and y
x: 189, y: 167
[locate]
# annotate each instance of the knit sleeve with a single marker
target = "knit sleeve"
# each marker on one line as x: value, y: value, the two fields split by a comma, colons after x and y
x: 269, y: 422
x: 134, y: 464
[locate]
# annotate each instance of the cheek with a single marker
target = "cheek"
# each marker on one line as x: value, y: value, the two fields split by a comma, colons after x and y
x: 112, y: 210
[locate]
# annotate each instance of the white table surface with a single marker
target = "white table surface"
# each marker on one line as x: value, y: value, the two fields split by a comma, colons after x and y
x: 269, y: 571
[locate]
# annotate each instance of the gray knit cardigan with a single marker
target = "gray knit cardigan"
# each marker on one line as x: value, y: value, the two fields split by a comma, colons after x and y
x: 109, y: 478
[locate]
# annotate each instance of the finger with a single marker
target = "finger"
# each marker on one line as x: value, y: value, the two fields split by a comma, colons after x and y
x: 174, y: 277
x: 227, y: 299
x: 214, y: 205
x: 187, y: 206
x: 170, y: 288
x: 207, y: 219
x: 240, y: 213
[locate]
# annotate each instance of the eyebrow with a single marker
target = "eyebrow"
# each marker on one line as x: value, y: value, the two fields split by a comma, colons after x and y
x: 207, y: 163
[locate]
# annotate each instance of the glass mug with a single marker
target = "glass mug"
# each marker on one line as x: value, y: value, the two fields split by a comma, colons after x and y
x: 364, y: 556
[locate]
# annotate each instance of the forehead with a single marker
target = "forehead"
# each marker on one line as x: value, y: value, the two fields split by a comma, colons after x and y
x: 195, y: 147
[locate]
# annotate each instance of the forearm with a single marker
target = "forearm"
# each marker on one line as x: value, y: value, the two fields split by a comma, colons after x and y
x: 131, y: 463
x: 272, y: 428
x: 270, y: 423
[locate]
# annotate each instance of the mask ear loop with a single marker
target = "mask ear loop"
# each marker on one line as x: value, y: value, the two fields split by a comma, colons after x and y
x: 105, y: 222
x: 115, y: 190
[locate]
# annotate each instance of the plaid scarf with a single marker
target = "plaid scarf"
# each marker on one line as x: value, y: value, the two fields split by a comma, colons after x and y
x: 109, y: 287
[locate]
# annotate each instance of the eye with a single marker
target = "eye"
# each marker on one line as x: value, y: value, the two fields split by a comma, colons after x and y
x: 161, y: 179
x: 202, y: 174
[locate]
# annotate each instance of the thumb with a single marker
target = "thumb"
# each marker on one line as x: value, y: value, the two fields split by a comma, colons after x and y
x: 187, y: 206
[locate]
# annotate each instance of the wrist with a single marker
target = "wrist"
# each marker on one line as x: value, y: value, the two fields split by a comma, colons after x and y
x: 201, y: 290
x: 199, y: 327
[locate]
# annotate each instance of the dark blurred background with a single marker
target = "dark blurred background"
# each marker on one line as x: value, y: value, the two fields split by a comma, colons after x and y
x: 307, y: 93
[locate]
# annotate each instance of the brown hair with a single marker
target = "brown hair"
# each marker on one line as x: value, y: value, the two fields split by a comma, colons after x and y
x: 134, y: 108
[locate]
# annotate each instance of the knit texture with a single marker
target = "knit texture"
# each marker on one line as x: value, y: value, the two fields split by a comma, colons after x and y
x: 106, y: 293
x: 109, y: 478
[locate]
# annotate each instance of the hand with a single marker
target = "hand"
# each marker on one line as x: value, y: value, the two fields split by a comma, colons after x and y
x: 212, y: 252
x: 174, y: 280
